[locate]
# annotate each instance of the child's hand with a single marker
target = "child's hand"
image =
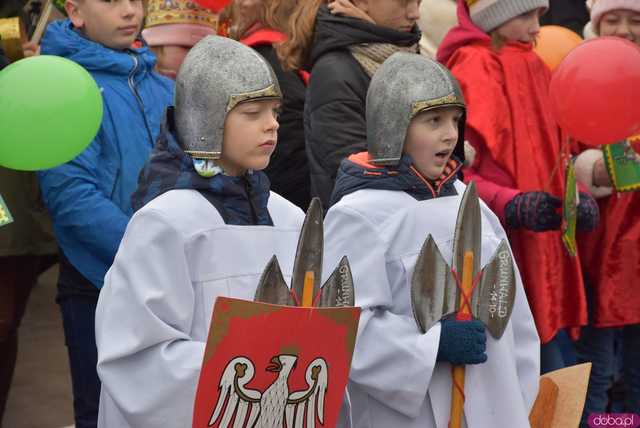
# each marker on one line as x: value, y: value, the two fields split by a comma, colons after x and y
x: 346, y: 8
x: 469, y: 154
x: 600, y: 175
x: 588, y: 213
x: 30, y: 49
x: 537, y: 211
x: 462, y: 342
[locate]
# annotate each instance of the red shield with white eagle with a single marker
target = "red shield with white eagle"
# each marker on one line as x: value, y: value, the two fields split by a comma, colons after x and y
x: 269, y: 366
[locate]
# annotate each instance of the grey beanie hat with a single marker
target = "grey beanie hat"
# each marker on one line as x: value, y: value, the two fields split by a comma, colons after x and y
x: 490, y: 14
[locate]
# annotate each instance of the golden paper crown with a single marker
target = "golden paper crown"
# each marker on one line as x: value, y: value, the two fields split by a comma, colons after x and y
x: 160, y: 12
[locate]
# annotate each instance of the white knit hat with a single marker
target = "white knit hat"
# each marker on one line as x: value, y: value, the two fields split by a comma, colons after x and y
x: 437, y: 17
x: 490, y: 14
x: 599, y: 8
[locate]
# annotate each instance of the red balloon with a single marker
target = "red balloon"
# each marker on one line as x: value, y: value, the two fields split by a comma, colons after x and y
x: 595, y: 91
x: 214, y: 5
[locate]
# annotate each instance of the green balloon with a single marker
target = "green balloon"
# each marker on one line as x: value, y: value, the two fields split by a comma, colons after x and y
x: 50, y: 110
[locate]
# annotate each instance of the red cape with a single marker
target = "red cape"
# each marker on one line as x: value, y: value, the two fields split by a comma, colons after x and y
x: 263, y: 36
x: 611, y: 260
x: 510, y: 125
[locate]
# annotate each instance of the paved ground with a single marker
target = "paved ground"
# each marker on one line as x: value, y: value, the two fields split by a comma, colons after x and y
x: 40, y: 396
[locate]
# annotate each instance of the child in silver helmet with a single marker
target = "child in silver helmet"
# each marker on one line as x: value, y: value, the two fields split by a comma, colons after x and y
x: 206, y: 225
x: 386, y: 201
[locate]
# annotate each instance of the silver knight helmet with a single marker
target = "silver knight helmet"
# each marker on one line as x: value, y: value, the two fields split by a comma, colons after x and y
x: 217, y: 74
x: 404, y: 86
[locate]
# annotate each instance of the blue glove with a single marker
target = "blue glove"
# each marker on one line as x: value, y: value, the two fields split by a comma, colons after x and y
x: 462, y: 342
x: 588, y: 213
x: 536, y: 211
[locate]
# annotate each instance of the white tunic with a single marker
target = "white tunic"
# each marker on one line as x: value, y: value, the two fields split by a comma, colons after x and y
x: 177, y: 256
x: 395, y: 380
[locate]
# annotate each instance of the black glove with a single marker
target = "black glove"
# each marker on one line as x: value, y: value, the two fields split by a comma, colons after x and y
x: 537, y: 211
x: 588, y: 213
x: 462, y: 342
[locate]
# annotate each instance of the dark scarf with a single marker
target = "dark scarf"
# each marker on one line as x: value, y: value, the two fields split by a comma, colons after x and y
x: 240, y: 200
x: 356, y: 174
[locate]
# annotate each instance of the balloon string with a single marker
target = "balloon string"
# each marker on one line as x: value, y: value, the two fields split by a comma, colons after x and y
x: 564, y: 151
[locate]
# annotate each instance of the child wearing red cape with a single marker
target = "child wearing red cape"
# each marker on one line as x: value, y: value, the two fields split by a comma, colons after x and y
x: 611, y: 254
x: 519, y: 163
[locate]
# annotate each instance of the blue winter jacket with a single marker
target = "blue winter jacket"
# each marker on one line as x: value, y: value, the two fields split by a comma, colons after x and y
x: 89, y: 198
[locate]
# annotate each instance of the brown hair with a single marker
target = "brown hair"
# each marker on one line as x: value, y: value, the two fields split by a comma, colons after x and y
x: 272, y: 14
x: 294, y: 52
x: 497, y: 40
x: 275, y: 13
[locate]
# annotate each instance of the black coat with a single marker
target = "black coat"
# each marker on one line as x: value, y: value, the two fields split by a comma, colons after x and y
x: 288, y: 170
x: 334, y: 111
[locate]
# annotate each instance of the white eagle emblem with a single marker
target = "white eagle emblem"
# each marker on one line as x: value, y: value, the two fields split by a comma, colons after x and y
x: 276, y: 407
